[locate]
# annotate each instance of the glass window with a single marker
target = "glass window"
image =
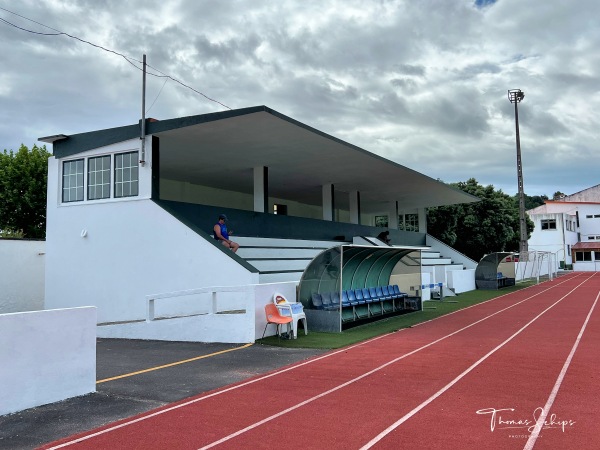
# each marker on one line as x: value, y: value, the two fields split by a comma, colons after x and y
x: 597, y: 255
x: 381, y: 221
x: 72, y: 188
x: 98, y: 177
x: 126, y: 174
x: 410, y: 222
x: 583, y: 256
x: 548, y: 224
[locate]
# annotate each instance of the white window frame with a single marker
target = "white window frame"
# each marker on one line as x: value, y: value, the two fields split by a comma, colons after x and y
x: 120, y: 173
x: 106, y: 171
x: 69, y: 189
x: 112, y: 178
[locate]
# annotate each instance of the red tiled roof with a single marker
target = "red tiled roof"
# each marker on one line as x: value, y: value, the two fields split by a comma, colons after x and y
x: 586, y: 246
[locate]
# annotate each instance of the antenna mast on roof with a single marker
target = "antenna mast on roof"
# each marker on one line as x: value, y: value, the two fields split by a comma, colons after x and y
x: 143, y: 122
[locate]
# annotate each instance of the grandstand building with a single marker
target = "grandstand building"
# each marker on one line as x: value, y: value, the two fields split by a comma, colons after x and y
x: 128, y: 218
x: 570, y: 228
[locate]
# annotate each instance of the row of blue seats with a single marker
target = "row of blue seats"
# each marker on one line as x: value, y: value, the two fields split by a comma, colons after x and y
x: 362, y: 303
x: 354, y: 297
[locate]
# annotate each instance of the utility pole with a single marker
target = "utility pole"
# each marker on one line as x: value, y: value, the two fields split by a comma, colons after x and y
x: 515, y: 96
x: 143, y: 123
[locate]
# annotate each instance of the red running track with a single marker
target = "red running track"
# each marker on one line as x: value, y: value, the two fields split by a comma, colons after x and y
x: 520, y: 371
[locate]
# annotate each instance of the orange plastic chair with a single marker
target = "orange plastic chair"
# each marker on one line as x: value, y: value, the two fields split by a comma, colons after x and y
x: 274, y: 316
x: 293, y: 310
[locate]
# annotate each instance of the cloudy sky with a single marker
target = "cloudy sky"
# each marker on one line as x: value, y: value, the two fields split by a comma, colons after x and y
x: 421, y: 82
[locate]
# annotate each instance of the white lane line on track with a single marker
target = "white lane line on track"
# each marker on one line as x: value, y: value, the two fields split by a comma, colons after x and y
x: 542, y: 419
x: 279, y: 372
x: 565, y: 279
x: 360, y: 377
x: 407, y: 416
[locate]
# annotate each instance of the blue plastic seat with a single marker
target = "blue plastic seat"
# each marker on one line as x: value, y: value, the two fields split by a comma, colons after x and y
x: 335, y: 300
x: 373, y: 294
x: 398, y: 292
x: 348, y: 313
x: 327, y: 303
x: 366, y: 295
x: 352, y: 297
x: 362, y: 310
x: 386, y: 293
x: 345, y: 300
x: 380, y: 293
x: 391, y: 291
x: 359, y: 297
x: 317, y: 301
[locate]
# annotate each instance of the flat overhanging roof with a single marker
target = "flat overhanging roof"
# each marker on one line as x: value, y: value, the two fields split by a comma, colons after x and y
x: 221, y: 150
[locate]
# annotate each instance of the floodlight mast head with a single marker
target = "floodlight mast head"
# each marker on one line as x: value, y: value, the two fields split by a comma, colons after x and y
x: 515, y: 95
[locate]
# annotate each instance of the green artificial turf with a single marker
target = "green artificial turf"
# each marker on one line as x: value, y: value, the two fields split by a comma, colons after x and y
x: 360, y: 333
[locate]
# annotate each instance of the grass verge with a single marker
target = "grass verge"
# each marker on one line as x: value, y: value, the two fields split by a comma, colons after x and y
x: 370, y: 330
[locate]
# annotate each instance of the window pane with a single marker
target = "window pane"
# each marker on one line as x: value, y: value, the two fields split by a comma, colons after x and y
x: 98, y: 177
x: 72, y: 189
x: 126, y: 174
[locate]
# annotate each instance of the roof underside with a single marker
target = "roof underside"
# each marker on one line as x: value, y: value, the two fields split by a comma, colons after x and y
x: 222, y: 149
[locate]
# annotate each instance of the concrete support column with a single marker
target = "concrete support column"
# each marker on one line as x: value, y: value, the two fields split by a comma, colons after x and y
x: 261, y: 189
x: 355, y: 207
x: 393, y: 215
x: 328, y: 202
x: 422, y: 212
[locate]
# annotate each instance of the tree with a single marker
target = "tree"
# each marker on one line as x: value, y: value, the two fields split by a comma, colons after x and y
x: 558, y: 195
x: 475, y: 229
x: 23, y: 180
x: 531, y: 202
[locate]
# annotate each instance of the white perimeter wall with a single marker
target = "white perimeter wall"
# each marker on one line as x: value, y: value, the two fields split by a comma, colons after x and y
x: 242, y: 327
x: 46, y: 356
x: 461, y: 280
x: 21, y: 275
x: 112, y: 254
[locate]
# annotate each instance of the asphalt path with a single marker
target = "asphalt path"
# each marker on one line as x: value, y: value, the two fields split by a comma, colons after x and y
x: 135, y: 376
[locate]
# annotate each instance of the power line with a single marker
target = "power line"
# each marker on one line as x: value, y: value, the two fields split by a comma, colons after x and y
x: 157, y: 95
x: 127, y: 58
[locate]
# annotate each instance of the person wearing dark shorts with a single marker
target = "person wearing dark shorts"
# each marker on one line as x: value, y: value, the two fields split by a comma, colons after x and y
x: 221, y: 234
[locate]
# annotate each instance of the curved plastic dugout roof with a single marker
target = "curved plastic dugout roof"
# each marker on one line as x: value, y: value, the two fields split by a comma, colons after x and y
x: 487, y: 269
x: 222, y: 149
x: 361, y: 266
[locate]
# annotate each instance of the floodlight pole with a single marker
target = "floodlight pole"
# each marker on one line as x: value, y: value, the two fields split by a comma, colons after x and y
x: 515, y: 96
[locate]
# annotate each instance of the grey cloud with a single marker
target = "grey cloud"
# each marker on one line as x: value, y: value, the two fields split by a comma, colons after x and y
x: 408, y: 69
x: 423, y: 83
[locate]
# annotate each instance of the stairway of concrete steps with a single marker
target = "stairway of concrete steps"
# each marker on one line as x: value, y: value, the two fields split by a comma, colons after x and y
x: 280, y: 260
x: 438, y: 266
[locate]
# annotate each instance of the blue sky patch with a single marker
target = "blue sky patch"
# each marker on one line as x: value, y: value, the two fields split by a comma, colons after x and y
x: 484, y: 3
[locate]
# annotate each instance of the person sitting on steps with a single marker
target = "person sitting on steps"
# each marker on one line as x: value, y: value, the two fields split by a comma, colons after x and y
x: 384, y: 236
x: 221, y: 234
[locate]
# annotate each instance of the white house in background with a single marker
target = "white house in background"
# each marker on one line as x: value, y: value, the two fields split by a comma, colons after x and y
x: 570, y: 228
x: 128, y: 218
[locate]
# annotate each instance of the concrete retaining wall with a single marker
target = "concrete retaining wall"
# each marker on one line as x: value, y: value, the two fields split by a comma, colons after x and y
x: 242, y: 327
x: 21, y: 275
x: 461, y: 280
x: 46, y: 356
